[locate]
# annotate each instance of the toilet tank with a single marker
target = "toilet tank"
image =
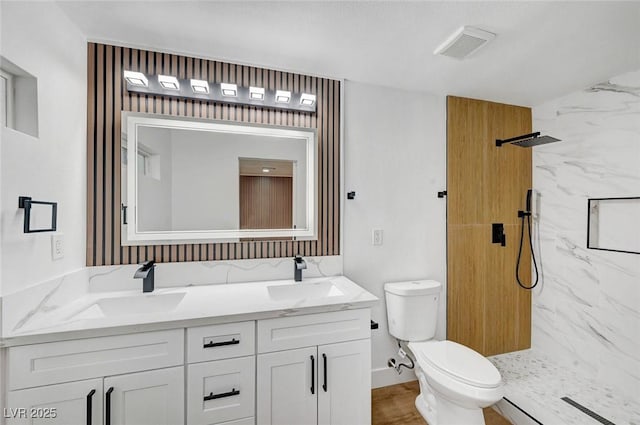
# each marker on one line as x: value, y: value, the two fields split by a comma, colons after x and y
x: 412, y: 309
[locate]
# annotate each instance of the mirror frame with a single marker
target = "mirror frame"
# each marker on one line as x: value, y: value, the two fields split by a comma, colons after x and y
x: 130, y: 234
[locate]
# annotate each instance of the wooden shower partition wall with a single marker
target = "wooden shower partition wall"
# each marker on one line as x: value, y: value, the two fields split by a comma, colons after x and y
x: 107, y: 97
x: 486, y: 309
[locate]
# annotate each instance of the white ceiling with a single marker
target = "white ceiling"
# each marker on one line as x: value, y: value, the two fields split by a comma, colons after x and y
x: 543, y: 49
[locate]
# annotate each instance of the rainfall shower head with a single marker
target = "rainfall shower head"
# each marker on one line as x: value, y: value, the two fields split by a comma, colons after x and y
x: 528, y: 140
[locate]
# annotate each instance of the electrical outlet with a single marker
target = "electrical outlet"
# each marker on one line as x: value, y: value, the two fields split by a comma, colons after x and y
x: 376, y: 237
x: 57, y: 246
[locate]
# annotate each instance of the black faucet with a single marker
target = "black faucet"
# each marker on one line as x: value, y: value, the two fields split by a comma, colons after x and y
x: 146, y: 274
x: 298, y: 265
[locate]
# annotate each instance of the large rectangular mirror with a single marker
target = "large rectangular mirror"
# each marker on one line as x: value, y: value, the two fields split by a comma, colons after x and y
x: 188, y: 180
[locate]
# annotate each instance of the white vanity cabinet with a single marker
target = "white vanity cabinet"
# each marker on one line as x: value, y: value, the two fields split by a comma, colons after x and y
x: 56, y: 376
x: 307, y: 369
x: 288, y: 387
x: 147, y: 398
x: 63, y: 404
x: 328, y: 383
x: 154, y: 397
x: 344, y: 371
x: 221, y: 390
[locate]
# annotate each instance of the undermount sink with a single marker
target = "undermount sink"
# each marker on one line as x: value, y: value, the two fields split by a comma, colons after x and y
x: 137, y: 304
x: 133, y: 305
x: 304, y: 290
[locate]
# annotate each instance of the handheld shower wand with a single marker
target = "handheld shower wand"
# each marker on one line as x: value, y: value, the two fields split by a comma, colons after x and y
x: 526, y: 216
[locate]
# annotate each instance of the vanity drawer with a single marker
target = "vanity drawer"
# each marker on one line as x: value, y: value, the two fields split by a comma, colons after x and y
x: 285, y: 333
x: 215, y: 342
x: 221, y: 391
x: 65, y: 361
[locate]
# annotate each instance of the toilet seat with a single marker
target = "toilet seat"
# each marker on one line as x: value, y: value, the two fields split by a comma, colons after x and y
x: 457, y: 362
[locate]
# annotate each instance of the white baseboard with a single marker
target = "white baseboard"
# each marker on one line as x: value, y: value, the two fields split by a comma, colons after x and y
x: 386, y: 376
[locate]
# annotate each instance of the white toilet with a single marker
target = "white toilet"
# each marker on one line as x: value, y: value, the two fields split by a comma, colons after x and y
x: 456, y: 383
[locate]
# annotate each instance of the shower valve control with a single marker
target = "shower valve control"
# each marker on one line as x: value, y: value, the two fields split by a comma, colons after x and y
x: 497, y: 234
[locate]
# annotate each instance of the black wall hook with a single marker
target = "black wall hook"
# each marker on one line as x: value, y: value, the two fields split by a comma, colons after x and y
x: 351, y: 195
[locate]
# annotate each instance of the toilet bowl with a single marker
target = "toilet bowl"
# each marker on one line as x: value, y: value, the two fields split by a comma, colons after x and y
x: 456, y: 382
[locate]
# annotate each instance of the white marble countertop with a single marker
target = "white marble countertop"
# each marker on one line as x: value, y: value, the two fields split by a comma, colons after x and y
x: 89, y: 315
x: 536, y: 384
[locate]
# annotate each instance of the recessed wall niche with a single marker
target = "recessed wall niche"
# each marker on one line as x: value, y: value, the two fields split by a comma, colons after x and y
x: 612, y: 224
x: 107, y: 98
x: 19, y: 98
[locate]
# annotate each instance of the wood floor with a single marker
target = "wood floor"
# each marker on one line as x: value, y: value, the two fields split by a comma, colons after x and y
x: 394, y: 405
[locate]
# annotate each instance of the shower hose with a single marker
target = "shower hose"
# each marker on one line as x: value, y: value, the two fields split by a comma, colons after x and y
x: 526, y: 216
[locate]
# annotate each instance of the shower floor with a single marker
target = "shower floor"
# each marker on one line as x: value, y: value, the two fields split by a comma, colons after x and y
x: 535, y: 386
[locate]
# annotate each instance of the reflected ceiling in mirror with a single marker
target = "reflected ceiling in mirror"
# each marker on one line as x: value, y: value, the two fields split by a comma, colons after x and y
x: 191, y: 180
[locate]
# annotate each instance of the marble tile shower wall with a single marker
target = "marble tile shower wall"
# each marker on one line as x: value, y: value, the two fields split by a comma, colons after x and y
x: 586, y: 313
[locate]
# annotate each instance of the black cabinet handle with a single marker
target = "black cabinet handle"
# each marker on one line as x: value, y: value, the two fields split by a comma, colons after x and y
x: 107, y: 420
x: 324, y: 360
x: 220, y: 344
x: 213, y: 396
x: 90, y: 406
x: 313, y: 375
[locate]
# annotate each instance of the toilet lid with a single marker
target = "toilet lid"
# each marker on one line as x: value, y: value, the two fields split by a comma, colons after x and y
x: 458, y: 362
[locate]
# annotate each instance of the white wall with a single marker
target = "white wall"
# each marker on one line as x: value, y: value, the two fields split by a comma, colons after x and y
x: 39, y: 38
x: 205, y: 182
x: 26, y: 102
x: 395, y: 155
x: 155, y: 188
x: 586, y: 312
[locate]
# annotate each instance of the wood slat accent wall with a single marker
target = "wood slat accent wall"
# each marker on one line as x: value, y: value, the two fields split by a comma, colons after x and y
x: 107, y: 97
x: 486, y: 309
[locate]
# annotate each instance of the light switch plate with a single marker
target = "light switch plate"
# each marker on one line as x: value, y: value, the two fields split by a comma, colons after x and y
x: 376, y: 237
x: 57, y: 246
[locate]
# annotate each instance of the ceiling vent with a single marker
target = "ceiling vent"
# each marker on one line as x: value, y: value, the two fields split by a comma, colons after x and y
x: 464, y: 42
